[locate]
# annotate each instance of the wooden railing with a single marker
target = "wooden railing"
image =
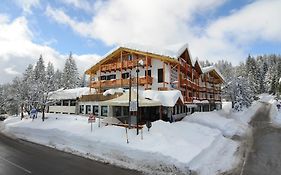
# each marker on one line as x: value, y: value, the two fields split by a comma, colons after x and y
x: 129, y: 64
x: 121, y: 82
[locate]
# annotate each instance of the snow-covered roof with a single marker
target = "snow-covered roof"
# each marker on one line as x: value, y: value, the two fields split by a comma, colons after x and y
x: 211, y: 68
x: 63, y: 94
x: 166, y: 98
x: 171, y: 52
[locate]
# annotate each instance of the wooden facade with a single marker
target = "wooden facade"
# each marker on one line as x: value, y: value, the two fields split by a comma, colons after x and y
x: 179, y: 73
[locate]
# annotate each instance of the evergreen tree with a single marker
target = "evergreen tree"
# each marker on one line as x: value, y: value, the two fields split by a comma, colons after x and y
x: 50, y: 78
x: 70, y: 74
x: 58, y: 82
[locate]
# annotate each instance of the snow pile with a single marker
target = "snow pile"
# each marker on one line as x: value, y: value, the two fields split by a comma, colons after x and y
x: 227, y: 107
x: 247, y: 115
x: 168, y: 148
x: 228, y: 127
x: 167, y: 98
x: 275, y: 115
x: 266, y: 98
x: 69, y: 93
x: 113, y: 91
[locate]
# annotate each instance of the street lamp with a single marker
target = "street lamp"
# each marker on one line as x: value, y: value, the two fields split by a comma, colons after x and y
x: 140, y: 63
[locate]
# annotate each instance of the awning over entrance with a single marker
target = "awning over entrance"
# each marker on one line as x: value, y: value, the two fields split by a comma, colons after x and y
x: 123, y: 100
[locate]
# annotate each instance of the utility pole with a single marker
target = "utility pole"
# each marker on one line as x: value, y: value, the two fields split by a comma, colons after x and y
x: 138, y: 99
x: 130, y: 89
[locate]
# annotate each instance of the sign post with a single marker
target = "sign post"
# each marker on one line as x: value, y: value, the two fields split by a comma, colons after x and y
x: 91, y: 119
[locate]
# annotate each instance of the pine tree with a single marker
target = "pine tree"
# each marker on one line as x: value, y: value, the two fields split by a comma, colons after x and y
x: 50, y: 77
x: 70, y: 74
x: 58, y: 81
x: 253, y: 74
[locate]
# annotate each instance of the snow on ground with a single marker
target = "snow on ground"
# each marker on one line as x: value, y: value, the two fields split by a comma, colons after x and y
x: 246, y: 115
x: 275, y: 114
x: 228, y: 127
x: 168, y: 147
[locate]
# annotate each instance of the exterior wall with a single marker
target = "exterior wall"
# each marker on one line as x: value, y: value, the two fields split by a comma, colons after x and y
x: 191, y: 84
x: 62, y: 109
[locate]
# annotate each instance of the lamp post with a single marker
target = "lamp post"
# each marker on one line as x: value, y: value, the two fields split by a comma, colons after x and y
x: 140, y: 62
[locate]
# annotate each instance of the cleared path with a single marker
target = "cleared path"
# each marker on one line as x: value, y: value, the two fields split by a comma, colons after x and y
x: 265, y: 155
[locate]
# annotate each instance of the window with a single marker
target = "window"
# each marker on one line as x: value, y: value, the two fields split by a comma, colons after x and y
x: 125, y: 111
x: 81, y: 109
x: 117, y: 111
x: 130, y: 57
x: 160, y: 75
x: 65, y: 102
x: 88, y: 109
x: 104, y: 111
x: 110, y: 77
x: 103, y: 77
x: 58, y: 103
x: 72, y: 103
x: 148, y: 72
x: 96, y: 110
x: 125, y: 75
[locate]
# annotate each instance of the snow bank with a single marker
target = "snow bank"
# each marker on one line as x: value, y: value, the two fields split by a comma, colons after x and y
x: 247, y: 115
x: 168, y: 148
x: 228, y: 127
x: 217, y: 160
x: 275, y: 115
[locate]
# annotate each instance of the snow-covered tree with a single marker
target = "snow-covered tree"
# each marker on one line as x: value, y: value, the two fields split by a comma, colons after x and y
x: 71, y: 77
x: 50, y: 77
x: 253, y: 74
x: 58, y: 82
x: 240, y: 93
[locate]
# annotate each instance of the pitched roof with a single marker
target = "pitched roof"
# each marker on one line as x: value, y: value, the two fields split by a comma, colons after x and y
x: 173, y: 53
x: 212, y: 68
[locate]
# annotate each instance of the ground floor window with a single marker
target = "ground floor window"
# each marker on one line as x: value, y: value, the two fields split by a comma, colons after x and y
x: 117, y: 111
x: 96, y: 110
x: 104, y: 111
x: 88, y: 109
x: 81, y: 109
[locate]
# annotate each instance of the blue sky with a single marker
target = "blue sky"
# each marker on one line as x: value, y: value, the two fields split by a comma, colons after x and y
x: 217, y: 29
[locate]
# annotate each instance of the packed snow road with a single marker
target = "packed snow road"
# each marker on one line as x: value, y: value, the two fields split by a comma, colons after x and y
x: 265, y: 155
x: 19, y: 157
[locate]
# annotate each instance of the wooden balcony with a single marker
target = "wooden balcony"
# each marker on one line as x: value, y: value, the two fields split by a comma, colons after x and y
x: 188, y: 99
x: 126, y: 65
x: 185, y: 67
x: 120, y: 82
x: 190, y: 84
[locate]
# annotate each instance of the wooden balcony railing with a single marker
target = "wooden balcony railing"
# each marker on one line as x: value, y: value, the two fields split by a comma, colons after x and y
x: 120, y: 82
x: 126, y: 65
x: 188, y: 83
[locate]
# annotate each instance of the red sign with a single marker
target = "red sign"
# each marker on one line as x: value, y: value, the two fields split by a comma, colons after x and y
x: 91, y: 119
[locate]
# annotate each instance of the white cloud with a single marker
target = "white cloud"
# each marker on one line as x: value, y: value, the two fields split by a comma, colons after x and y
x: 259, y: 20
x: 26, y: 5
x: 18, y: 50
x: 11, y: 71
x: 163, y: 23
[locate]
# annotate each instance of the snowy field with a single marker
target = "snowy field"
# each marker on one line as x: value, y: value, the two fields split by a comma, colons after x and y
x: 168, y: 148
